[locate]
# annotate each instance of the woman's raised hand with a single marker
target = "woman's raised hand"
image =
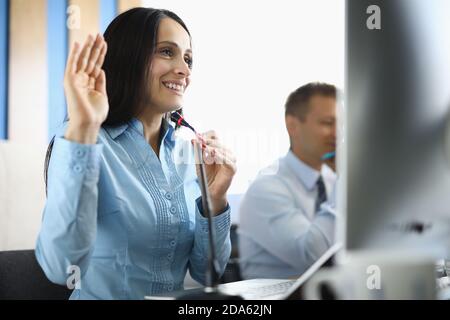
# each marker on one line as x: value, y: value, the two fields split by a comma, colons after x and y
x: 85, y: 90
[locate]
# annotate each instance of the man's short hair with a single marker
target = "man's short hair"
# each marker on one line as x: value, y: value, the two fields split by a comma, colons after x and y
x: 297, y: 103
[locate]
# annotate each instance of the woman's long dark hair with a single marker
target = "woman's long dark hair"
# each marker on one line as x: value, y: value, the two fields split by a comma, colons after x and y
x: 131, y: 39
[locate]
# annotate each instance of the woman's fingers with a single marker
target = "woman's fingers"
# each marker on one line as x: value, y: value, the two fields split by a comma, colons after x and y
x: 215, y: 143
x: 214, y: 151
x: 218, y: 156
x: 100, y: 83
x: 226, y: 154
x: 210, y: 135
x: 225, y: 158
x: 100, y: 60
x: 71, y: 66
x: 84, y: 55
x: 95, y: 53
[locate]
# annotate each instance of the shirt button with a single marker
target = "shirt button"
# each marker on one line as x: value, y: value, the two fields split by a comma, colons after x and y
x: 169, y: 256
x: 173, y: 210
x: 168, y: 196
x: 77, y: 168
x: 173, y: 243
x: 170, y: 287
x: 79, y: 153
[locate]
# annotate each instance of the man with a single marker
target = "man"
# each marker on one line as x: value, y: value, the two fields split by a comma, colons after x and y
x: 283, y: 229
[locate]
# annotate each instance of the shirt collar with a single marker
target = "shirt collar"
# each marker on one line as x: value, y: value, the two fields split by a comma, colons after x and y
x: 168, y: 130
x: 328, y: 173
x: 307, y: 175
x: 168, y: 133
x: 114, y: 132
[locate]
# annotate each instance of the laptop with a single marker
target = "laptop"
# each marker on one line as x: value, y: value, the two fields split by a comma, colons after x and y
x: 266, y: 289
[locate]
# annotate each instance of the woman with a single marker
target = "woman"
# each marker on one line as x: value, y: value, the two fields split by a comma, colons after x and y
x: 123, y: 216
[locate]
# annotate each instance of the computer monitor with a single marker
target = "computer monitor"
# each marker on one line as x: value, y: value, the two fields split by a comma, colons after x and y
x: 393, y: 154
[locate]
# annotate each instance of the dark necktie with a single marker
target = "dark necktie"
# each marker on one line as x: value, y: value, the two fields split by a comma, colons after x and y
x: 321, y: 193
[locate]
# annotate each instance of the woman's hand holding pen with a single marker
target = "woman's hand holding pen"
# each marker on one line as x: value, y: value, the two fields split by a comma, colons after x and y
x: 220, y: 167
x: 85, y: 90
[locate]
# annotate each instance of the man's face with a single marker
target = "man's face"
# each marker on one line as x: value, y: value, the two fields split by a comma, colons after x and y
x: 315, y: 135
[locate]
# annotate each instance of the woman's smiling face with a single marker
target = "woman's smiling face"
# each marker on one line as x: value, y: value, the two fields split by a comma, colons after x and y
x: 171, y: 67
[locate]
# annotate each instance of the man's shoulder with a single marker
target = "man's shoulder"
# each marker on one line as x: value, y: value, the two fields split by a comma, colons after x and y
x: 272, y: 177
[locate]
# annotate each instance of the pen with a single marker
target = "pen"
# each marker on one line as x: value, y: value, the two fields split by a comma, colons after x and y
x: 328, y: 155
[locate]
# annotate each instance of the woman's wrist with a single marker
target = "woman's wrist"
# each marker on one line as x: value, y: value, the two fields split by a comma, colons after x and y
x: 218, y: 205
x: 82, y: 133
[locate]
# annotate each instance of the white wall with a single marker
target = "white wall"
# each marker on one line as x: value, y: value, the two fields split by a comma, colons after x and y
x: 248, y: 56
x: 22, y: 194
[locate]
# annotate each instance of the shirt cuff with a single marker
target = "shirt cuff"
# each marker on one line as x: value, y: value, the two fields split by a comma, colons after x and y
x: 76, y: 157
x: 222, y: 221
